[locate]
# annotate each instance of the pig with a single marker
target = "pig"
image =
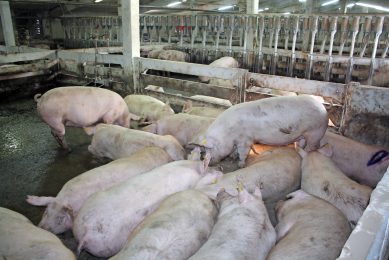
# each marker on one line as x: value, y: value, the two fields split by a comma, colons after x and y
x: 201, y: 111
x: 153, y: 54
x: 321, y: 178
x: 148, y: 108
x: 277, y: 171
x: 183, y: 127
x: 273, y: 121
x: 270, y: 91
x: 363, y: 163
x: 173, y: 55
x: 116, y: 142
x: 224, y: 62
x: 219, y: 101
x: 107, y: 218
x: 80, y: 107
x: 155, y: 88
x: 309, y: 228
x: 242, y: 230
x: 176, y: 230
x: 20, y: 239
x: 62, y: 209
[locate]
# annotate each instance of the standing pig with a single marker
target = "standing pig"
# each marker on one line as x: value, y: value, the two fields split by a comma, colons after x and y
x: 201, y: 111
x: 321, y: 178
x: 224, y: 62
x: 183, y: 127
x: 116, y: 142
x: 173, y: 55
x: 276, y: 171
x: 176, y: 230
x: 242, y: 230
x: 108, y: 217
x: 219, y: 101
x: 20, y: 239
x: 80, y: 107
x: 273, y: 121
x: 361, y: 162
x: 62, y: 209
x: 148, y: 108
x: 308, y: 228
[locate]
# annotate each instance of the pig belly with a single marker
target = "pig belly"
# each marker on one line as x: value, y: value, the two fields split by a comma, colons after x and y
x: 161, y: 236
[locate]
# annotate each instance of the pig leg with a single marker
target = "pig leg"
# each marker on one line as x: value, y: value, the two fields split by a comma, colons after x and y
x: 243, y: 151
x: 312, y: 138
x: 59, y: 135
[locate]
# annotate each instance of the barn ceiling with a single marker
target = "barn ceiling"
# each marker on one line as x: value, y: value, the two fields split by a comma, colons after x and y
x: 41, y: 8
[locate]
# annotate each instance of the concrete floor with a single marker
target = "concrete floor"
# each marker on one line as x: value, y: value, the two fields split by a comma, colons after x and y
x: 31, y: 162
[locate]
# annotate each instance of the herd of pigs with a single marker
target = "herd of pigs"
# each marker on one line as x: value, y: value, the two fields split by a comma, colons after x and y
x: 164, y: 195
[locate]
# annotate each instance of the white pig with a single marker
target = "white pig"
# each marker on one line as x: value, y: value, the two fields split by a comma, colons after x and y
x: 147, y: 107
x: 242, y: 230
x: 173, y: 55
x: 224, y: 62
x: 62, y: 209
x: 116, y: 142
x: 214, y: 100
x: 107, y: 218
x: 273, y: 121
x: 201, y: 111
x: 308, y: 228
x: 183, y: 127
x: 20, y: 239
x: 277, y: 171
x: 321, y: 178
x: 80, y: 107
x: 176, y: 230
x: 361, y: 162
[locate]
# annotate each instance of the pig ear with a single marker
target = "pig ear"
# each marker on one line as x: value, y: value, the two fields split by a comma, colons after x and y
x: 244, y: 196
x: 187, y: 107
x: 39, y: 201
x: 301, y: 151
x: 326, y: 150
x: 257, y: 192
x: 205, y: 162
x: 150, y: 128
x: 134, y: 117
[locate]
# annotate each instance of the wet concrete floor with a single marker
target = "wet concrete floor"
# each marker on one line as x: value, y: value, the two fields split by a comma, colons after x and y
x: 32, y: 163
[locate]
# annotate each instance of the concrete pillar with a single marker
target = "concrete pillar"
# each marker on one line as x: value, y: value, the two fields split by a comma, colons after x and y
x: 131, y: 40
x: 6, y: 22
x: 252, y: 6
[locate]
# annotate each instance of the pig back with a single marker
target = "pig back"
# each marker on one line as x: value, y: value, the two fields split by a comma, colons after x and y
x: 20, y: 239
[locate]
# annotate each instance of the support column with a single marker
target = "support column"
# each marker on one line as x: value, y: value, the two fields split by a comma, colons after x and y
x: 6, y: 22
x: 252, y: 6
x: 131, y: 41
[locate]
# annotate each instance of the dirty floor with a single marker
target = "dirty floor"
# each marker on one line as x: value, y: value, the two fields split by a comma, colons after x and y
x: 31, y: 161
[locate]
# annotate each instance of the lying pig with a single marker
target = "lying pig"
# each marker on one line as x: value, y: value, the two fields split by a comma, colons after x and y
x: 155, y: 88
x: 20, y: 239
x: 201, y: 111
x: 173, y: 55
x: 62, y: 209
x: 277, y: 172
x: 116, y: 142
x: 80, y: 107
x: 148, y: 108
x: 270, y: 91
x: 224, y: 62
x: 219, y: 101
x: 308, y: 228
x: 242, y: 230
x: 176, y: 230
x: 273, y: 121
x: 183, y: 127
x: 361, y: 162
x: 108, y: 217
x: 153, y: 54
x: 321, y: 177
